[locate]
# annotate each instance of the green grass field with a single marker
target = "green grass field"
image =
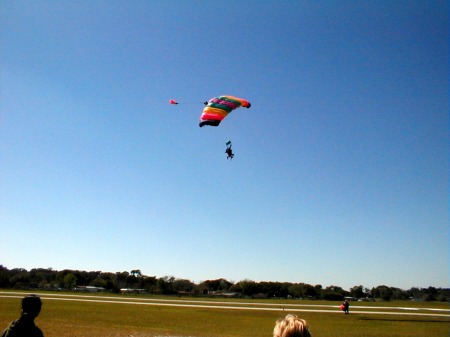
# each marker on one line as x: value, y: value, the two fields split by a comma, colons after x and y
x: 136, y: 316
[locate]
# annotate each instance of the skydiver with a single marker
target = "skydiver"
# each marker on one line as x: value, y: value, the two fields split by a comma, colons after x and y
x: 229, y: 153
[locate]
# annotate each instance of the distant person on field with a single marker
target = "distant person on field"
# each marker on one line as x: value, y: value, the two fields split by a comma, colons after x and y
x: 24, y: 326
x: 291, y: 326
x: 346, y: 306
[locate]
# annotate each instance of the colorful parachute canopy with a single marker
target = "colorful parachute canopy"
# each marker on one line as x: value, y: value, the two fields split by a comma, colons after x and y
x: 218, y: 108
x: 172, y: 101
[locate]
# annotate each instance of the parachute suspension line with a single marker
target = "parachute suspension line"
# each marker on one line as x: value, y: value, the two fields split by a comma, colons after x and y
x: 172, y: 101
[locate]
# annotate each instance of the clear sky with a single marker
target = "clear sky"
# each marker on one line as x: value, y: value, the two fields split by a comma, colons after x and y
x: 340, y: 174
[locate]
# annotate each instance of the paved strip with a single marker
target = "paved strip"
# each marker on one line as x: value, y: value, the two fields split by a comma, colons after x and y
x: 232, y: 305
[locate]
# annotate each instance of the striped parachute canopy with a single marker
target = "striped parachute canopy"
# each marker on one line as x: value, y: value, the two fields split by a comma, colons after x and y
x: 218, y: 108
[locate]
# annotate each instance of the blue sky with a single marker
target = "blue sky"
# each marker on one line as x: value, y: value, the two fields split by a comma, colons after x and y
x: 340, y: 174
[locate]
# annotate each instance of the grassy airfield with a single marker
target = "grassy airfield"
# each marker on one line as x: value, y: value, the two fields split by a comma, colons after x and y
x: 100, y: 315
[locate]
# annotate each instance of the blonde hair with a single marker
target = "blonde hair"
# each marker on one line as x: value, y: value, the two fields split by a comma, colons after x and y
x: 291, y: 326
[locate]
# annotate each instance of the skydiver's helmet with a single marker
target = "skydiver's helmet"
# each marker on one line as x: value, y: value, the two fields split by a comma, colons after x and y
x: 249, y: 105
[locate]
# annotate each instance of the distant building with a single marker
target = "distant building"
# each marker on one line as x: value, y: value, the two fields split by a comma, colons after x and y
x: 260, y: 295
x: 90, y: 289
x: 132, y: 291
x: 224, y: 294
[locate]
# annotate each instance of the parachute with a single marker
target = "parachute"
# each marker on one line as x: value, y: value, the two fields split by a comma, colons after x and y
x: 218, y: 108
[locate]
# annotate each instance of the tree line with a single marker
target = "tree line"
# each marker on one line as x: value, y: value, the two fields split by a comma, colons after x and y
x: 50, y: 279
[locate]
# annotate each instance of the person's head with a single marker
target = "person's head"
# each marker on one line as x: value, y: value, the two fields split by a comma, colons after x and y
x: 291, y: 326
x: 31, y: 305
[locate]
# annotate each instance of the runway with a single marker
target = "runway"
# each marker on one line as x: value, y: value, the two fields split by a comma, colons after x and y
x: 238, y: 305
